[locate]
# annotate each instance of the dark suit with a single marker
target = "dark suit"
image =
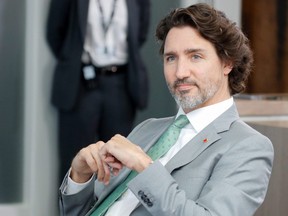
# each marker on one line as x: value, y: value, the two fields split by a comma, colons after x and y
x: 78, y: 123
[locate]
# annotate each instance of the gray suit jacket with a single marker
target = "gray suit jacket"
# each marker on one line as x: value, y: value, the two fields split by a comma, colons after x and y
x: 223, y: 171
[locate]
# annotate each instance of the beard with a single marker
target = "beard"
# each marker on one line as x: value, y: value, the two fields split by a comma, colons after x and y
x: 191, y: 102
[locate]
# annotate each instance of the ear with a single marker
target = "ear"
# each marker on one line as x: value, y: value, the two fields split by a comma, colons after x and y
x: 228, y: 66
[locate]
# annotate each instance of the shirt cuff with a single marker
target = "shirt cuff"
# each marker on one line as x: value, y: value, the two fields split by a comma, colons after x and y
x: 73, y: 187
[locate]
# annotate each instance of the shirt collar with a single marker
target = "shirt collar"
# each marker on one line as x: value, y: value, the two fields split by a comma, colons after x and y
x: 202, y: 117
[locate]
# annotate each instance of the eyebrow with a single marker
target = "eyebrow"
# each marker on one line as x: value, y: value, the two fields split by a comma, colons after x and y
x: 168, y: 53
x: 194, y: 50
x: 186, y: 51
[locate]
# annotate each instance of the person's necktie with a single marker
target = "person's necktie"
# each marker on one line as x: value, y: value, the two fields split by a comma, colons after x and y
x: 160, y: 148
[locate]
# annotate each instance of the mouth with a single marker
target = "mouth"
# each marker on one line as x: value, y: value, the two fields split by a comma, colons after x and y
x: 184, y: 87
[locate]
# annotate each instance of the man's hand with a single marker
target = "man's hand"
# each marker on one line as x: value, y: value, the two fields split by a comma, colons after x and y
x: 87, y: 162
x: 119, y: 151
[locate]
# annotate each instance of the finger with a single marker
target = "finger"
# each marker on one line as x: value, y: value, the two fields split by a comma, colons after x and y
x: 119, y: 139
x: 113, y: 162
x: 101, y: 172
x: 93, y: 150
x: 107, y: 174
x: 115, y: 171
x: 95, y: 154
x: 88, y: 163
x: 92, y: 164
x: 103, y: 152
x: 115, y: 165
x: 109, y: 159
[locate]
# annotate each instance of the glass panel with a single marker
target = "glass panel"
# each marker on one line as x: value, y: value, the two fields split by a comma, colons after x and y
x: 12, y: 38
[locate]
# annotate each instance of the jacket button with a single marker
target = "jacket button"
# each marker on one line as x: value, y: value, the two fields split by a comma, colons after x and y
x: 149, y: 204
x: 144, y: 198
x: 140, y: 193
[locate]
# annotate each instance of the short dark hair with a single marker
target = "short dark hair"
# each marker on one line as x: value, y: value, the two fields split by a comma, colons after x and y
x: 229, y: 41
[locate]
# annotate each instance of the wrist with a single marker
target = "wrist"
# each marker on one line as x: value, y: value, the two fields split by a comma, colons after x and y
x: 79, y: 177
x: 144, y: 164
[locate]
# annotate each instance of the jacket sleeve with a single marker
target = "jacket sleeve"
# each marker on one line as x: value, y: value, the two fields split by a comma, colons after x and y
x: 145, y: 16
x: 76, y: 204
x: 57, y: 24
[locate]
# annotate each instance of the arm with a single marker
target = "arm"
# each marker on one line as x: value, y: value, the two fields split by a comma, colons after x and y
x: 236, y: 185
x: 57, y: 24
x: 145, y: 16
x: 80, y: 203
x: 84, y: 165
x: 76, y: 204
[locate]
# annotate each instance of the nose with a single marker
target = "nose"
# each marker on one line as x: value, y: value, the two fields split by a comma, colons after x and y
x: 182, y: 70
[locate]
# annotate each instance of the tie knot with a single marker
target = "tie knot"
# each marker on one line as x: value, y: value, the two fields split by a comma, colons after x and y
x: 181, y: 121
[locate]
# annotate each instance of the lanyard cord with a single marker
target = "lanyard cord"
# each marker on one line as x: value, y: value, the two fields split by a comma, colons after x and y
x: 104, y: 25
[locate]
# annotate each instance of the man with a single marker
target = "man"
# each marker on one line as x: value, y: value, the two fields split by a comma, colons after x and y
x: 100, y: 79
x: 218, y: 165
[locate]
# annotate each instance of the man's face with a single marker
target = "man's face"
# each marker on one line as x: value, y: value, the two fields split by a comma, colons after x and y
x: 195, y: 75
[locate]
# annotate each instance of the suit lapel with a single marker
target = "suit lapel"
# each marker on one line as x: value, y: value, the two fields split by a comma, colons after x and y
x: 150, y: 134
x: 204, y: 139
x: 193, y: 148
x: 159, y: 130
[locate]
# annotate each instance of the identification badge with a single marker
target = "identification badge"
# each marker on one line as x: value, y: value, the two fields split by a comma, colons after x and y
x: 89, y: 77
x: 89, y: 72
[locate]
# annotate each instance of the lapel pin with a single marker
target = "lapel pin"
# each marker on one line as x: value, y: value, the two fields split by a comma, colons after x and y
x: 205, y: 140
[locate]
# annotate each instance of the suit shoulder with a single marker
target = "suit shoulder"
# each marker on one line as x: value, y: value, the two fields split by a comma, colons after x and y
x: 243, y: 131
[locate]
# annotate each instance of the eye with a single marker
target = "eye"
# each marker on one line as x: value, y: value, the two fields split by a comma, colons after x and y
x: 196, y: 57
x: 170, y: 58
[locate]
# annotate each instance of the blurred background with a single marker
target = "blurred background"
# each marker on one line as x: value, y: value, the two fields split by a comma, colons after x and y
x: 28, y: 122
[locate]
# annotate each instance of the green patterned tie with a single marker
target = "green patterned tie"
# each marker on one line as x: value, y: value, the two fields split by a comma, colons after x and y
x: 165, y: 142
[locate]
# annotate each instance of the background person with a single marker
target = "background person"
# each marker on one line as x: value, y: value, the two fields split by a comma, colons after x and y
x: 100, y: 78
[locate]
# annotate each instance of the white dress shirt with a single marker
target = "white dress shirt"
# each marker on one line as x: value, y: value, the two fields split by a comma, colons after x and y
x: 198, y: 119
x: 116, y: 38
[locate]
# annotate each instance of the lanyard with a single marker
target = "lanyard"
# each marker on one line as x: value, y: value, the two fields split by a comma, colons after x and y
x: 106, y: 26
